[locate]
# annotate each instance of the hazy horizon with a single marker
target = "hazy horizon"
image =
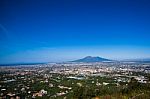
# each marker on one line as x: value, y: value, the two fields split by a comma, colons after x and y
x: 73, y: 59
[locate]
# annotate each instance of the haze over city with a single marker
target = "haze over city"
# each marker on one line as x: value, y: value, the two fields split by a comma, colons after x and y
x: 64, y: 30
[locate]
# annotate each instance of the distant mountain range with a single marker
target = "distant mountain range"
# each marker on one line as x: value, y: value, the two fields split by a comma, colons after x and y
x: 91, y: 59
x: 138, y: 60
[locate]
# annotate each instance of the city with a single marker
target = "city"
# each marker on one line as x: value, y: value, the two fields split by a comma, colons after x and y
x: 73, y: 80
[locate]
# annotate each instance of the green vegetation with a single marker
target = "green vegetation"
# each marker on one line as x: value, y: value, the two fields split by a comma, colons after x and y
x: 59, y: 86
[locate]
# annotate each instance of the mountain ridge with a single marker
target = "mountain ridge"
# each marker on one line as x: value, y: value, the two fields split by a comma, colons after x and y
x: 91, y: 59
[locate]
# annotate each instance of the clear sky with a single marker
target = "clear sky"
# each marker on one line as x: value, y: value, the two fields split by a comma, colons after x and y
x: 61, y: 30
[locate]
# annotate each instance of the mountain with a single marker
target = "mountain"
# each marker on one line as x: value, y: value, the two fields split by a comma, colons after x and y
x: 91, y: 59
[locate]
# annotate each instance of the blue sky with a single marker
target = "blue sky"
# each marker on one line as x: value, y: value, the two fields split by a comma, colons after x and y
x: 61, y: 30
